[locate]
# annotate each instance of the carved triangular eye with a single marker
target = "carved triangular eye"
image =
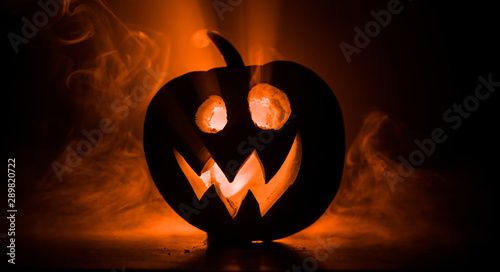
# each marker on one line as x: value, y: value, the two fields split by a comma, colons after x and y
x: 269, y: 106
x: 211, y: 116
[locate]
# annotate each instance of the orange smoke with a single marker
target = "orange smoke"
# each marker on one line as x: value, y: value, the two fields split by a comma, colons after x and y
x: 109, y: 191
x: 367, y: 211
x: 111, y: 73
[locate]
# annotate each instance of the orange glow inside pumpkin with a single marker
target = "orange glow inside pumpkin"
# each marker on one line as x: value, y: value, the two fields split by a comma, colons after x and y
x: 211, y: 116
x: 250, y: 176
x: 269, y: 106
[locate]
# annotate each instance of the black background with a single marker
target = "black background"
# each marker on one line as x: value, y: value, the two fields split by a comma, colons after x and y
x: 427, y: 59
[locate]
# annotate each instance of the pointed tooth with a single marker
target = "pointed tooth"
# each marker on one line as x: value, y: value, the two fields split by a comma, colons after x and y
x: 283, y: 179
x: 199, y: 187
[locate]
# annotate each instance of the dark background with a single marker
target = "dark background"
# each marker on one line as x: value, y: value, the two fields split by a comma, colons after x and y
x: 424, y: 61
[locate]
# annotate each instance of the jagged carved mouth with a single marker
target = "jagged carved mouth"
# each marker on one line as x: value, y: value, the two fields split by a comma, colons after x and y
x: 250, y: 176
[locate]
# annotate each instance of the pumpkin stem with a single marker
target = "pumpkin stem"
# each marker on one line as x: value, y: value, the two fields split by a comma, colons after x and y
x: 227, y: 50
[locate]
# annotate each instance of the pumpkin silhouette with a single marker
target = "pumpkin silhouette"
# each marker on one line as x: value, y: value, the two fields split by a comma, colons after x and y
x: 246, y: 153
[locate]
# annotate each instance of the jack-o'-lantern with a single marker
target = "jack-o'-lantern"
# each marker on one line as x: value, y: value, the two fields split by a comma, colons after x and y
x: 246, y: 152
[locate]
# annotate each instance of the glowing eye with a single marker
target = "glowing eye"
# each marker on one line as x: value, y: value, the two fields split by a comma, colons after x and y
x: 269, y: 106
x: 211, y: 116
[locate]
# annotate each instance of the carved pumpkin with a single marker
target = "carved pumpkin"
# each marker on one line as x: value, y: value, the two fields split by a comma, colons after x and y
x: 246, y: 152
